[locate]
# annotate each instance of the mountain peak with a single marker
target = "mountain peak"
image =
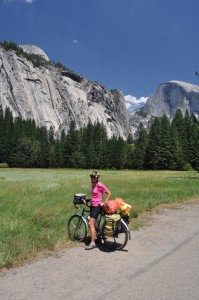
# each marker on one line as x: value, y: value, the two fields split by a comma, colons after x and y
x: 35, y: 50
x: 185, y: 85
x: 54, y: 98
x: 169, y: 97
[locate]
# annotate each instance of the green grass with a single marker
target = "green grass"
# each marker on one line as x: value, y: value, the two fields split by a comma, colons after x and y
x: 36, y: 203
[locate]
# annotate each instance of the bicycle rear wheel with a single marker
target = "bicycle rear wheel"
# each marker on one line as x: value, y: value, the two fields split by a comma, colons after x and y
x: 77, y: 228
x: 117, y: 241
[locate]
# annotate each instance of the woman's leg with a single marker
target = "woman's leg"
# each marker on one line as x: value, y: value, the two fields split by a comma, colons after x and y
x: 92, y: 232
x: 93, y: 216
x: 92, y: 229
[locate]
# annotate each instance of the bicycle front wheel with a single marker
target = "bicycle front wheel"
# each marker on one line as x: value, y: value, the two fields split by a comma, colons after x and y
x: 117, y: 241
x: 77, y: 228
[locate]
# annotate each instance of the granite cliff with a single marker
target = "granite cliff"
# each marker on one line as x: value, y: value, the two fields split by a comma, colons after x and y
x: 169, y: 97
x: 54, y: 96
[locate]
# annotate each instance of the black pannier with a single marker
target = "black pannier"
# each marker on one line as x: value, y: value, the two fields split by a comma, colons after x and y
x: 126, y: 219
x: 79, y: 198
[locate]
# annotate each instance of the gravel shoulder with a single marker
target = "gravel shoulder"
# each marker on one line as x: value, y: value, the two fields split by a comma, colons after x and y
x: 78, y: 274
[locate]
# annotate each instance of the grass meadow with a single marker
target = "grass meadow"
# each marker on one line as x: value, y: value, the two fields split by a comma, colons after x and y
x: 36, y: 203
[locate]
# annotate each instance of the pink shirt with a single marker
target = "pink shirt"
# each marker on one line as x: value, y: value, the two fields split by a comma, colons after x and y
x: 97, y: 193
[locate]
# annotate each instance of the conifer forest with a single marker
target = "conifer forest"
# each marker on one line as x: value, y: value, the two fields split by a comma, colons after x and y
x: 164, y: 146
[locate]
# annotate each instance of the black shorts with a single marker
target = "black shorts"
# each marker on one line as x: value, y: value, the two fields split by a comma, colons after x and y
x: 94, y: 212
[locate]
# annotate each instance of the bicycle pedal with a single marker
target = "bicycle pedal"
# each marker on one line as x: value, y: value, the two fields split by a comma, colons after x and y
x: 98, y: 241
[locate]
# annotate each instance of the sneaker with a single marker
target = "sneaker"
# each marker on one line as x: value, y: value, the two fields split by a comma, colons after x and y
x: 91, y: 246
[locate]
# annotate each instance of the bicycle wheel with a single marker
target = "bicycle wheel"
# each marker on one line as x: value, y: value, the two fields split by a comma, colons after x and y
x: 77, y: 228
x: 119, y: 240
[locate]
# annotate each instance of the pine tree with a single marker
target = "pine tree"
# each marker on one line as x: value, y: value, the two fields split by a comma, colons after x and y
x: 44, y: 154
x: 62, y: 143
x: 153, y: 155
x: 178, y: 121
x: 187, y: 136
x: 194, y: 143
x: 72, y: 145
x: 57, y: 154
x: 141, y: 142
x: 99, y: 139
x: 116, y: 153
x: 26, y: 153
x: 2, y: 137
x: 129, y: 156
x: 165, y: 147
x: 177, y: 156
x: 91, y: 156
x: 51, y: 142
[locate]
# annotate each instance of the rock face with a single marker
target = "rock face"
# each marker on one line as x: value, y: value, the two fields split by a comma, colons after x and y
x: 172, y: 96
x: 168, y: 98
x: 34, y: 49
x: 55, y: 97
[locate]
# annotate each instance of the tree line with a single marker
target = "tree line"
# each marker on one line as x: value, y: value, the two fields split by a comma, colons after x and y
x: 168, y: 145
x: 36, y: 59
x: 165, y: 146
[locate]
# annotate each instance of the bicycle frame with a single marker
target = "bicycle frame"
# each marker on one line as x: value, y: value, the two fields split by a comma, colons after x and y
x: 82, y: 215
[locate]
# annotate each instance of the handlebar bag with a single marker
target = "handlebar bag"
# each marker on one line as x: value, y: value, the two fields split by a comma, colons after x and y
x: 79, y: 198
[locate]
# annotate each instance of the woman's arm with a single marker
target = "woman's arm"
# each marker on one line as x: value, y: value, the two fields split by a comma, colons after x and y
x: 108, y: 194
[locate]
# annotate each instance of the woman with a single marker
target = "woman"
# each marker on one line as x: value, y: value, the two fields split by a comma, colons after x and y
x: 97, y: 191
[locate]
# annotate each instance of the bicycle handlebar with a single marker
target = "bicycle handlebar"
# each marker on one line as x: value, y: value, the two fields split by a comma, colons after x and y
x: 85, y: 203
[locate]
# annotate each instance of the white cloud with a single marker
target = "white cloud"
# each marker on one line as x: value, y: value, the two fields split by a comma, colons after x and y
x: 75, y: 41
x: 134, y: 100
x: 26, y: 1
x: 132, y: 103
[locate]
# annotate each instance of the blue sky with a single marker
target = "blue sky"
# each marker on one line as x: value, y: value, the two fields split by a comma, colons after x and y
x: 130, y: 45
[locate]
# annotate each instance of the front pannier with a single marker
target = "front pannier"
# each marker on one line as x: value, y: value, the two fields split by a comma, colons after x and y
x: 79, y: 198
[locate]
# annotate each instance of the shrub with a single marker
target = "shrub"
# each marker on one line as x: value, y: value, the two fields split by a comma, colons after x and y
x: 187, y: 167
x: 4, y: 165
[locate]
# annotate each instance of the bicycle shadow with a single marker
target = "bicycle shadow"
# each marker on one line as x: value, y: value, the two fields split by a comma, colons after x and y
x: 102, y: 247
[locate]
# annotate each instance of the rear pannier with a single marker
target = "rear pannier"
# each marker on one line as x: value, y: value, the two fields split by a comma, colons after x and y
x: 112, y: 225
